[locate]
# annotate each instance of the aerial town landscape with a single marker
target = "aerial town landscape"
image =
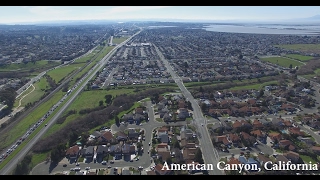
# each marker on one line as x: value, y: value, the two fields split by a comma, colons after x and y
x: 157, y: 98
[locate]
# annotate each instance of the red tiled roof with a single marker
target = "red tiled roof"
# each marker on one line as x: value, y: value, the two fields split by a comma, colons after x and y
x: 107, y: 135
x: 257, y: 133
x: 233, y: 160
x: 275, y: 135
x: 158, y: 168
x: 72, y: 150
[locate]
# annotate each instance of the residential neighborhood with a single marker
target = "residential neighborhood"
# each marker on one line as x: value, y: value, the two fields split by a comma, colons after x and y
x: 177, y: 95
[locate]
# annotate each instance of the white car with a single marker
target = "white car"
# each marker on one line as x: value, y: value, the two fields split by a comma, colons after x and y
x: 87, y: 168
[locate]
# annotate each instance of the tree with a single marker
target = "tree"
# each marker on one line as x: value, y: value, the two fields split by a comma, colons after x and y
x: 189, y: 105
x: 108, y: 98
x: 176, y: 144
x: 117, y: 120
x: 23, y: 167
x: 201, y: 89
x: 169, y: 160
x: 58, y: 153
x: 261, y: 93
x: 203, y: 107
x: 101, y: 103
x: 198, y: 156
x: 8, y: 96
x: 73, y: 137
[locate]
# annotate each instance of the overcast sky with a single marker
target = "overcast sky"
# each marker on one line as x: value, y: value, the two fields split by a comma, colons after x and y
x: 16, y: 14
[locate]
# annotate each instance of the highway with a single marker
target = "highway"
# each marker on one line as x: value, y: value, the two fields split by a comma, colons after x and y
x: 19, y: 156
x: 209, y: 153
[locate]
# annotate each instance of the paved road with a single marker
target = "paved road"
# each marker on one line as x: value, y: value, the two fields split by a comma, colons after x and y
x: 209, y: 153
x: 109, y: 78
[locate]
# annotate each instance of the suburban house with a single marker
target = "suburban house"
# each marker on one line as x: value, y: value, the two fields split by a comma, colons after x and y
x: 316, y: 149
x: 186, y: 133
x: 121, y: 136
x: 128, y: 118
x: 107, y: 137
x: 250, y: 161
x: 235, y: 139
x: 73, y: 152
x: 263, y: 159
x: 102, y: 149
x: 133, y: 134
x: 116, y: 150
x: 89, y: 153
x: 160, y: 170
x: 292, y: 156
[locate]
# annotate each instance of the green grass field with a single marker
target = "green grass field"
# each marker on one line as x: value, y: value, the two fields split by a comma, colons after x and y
x: 192, y: 84
x: 35, y: 95
x: 119, y: 40
x: 299, y: 57
x: 86, y: 58
x: 29, y: 65
x: 60, y: 73
x: 301, y: 47
x: 254, y: 86
x: 87, y: 99
x: 90, y: 99
x: 282, y: 61
x: 307, y: 159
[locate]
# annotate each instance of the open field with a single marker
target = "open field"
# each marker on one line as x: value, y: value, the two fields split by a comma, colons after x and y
x: 28, y: 66
x: 299, y: 57
x: 60, y: 73
x: 27, y: 91
x: 257, y: 86
x: 197, y: 84
x: 86, y: 58
x: 87, y: 99
x: 40, y: 88
x: 119, y: 40
x: 104, y: 52
x: 310, y: 48
x: 282, y: 61
x: 90, y: 99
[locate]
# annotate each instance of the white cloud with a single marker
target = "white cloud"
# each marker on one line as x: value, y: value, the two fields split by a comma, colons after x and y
x: 125, y: 9
x: 48, y: 11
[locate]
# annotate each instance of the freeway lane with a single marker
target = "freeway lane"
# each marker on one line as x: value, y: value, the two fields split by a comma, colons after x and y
x: 209, y: 153
x: 14, y: 161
